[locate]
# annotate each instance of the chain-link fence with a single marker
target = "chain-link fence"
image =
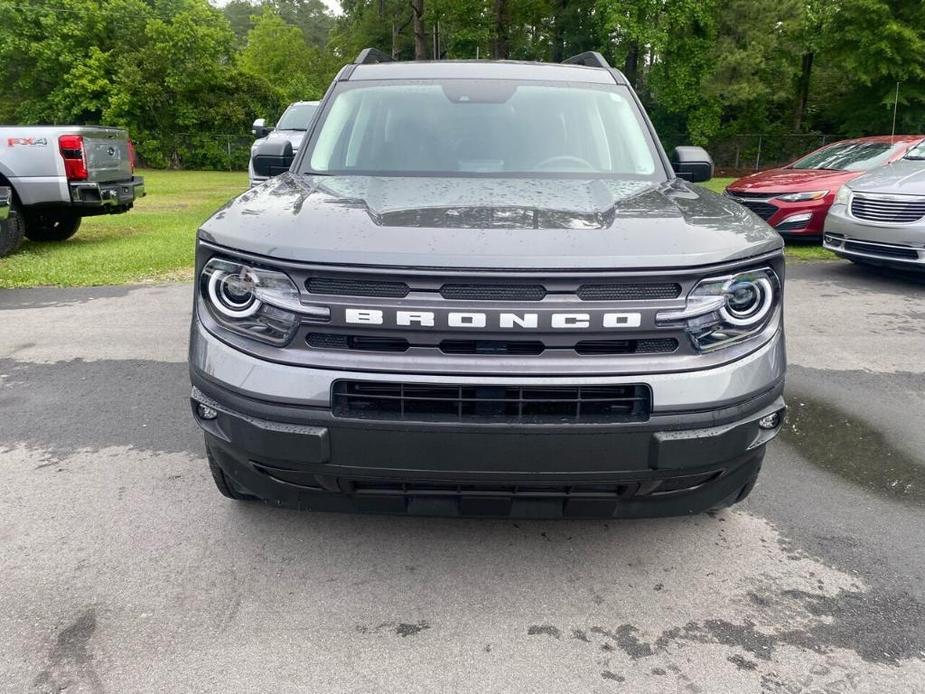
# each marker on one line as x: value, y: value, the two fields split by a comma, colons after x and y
x: 216, y: 152
x: 736, y: 155
x: 746, y: 153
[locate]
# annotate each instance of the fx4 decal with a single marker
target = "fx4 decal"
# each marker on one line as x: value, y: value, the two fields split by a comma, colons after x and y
x: 26, y: 142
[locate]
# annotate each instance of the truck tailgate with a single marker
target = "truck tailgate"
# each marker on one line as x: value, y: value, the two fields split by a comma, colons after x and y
x: 107, y: 153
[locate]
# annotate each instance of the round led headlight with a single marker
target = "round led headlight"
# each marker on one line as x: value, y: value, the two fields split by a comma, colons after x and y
x: 233, y: 294
x: 748, y: 300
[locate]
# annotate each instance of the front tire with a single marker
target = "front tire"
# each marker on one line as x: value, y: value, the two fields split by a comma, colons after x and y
x: 51, y: 226
x: 11, y: 230
x: 225, y: 486
x: 740, y: 494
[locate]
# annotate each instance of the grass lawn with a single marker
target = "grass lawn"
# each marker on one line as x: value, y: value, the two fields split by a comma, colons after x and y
x: 154, y: 241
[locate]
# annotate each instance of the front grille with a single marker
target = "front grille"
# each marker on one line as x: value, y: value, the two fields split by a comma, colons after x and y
x: 756, y: 196
x: 877, y: 209
x: 374, y: 343
x: 349, y: 287
x: 879, y: 249
x: 480, y: 403
x: 473, y: 292
x: 629, y: 292
x: 765, y: 210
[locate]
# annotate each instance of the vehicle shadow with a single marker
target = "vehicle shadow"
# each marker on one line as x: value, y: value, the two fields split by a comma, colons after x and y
x: 849, y: 275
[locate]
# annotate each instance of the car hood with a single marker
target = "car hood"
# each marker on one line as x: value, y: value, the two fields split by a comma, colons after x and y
x: 792, y: 181
x: 905, y: 177
x: 488, y: 223
x: 294, y: 136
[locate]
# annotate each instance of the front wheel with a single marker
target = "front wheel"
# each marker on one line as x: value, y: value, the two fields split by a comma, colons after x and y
x: 11, y: 230
x: 742, y: 492
x: 225, y: 486
x: 51, y: 226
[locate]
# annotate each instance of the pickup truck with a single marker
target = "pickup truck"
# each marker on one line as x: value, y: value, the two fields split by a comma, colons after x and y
x: 60, y: 174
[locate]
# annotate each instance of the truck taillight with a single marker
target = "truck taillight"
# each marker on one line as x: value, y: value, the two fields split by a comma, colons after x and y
x: 132, y: 155
x: 75, y: 161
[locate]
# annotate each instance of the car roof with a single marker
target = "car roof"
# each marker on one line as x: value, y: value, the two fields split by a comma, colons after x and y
x: 485, y: 69
x: 303, y: 103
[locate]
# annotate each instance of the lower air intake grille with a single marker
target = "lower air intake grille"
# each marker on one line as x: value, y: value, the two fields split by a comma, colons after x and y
x: 462, y: 403
x: 348, y: 287
x: 880, y: 249
x: 629, y: 292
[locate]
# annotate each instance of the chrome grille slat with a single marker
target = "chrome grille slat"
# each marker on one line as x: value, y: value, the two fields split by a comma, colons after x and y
x: 880, y: 209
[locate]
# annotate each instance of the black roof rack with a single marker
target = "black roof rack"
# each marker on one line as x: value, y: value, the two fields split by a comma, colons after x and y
x: 369, y: 56
x: 588, y: 59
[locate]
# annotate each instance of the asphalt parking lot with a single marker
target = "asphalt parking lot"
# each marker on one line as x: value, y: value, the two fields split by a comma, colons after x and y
x: 123, y: 570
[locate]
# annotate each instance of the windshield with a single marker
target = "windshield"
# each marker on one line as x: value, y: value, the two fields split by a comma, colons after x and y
x: 297, y: 117
x: 482, y: 127
x: 849, y: 156
x: 917, y: 153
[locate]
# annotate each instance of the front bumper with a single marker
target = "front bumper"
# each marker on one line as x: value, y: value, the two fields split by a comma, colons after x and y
x: 896, y: 245
x: 111, y: 196
x: 790, y: 219
x: 276, y: 438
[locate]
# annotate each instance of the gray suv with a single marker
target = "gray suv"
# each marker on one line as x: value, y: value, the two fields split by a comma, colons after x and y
x: 484, y: 289
x: 879, y: 218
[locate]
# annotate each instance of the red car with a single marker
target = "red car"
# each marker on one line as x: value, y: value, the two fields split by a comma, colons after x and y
x: 794, y: 199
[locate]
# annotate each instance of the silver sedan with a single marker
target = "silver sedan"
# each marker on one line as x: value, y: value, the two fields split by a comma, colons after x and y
x: 879, y: 218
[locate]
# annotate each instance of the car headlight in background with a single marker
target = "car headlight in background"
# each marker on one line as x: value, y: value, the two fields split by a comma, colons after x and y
x: 842, y: 196
x: 253, y: 301
x: 803, y: 197
x: 722, y: 311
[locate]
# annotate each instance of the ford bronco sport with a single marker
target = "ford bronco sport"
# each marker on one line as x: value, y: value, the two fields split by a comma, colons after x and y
x: 484, y: 289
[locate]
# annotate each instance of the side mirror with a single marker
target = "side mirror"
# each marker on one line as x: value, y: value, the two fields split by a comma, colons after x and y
x: 5, y: 195
x: 260, y: 129
x: 273, y: 157
x: 692, y: 164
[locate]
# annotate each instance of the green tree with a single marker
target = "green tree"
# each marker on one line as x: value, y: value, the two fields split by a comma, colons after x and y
x: 277, y: 52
